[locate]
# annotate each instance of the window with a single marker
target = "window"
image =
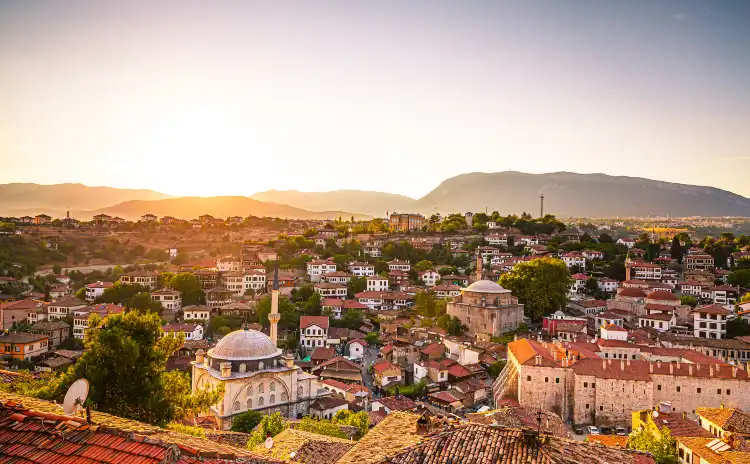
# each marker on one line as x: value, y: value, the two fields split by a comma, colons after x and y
x: 546, y: 380
x: 678, y: 389
x: 272, y: 399
x: 718, y: 391
x: 587, y: 405
x: 658, y: 387
x: 260, y: 401
x: 593, y: 385
x: 729, y: 392
x: 601, y: 408
x: 557, y: 380
x: 528, y: 378
x: 699, y: 390
x: 585, y: 384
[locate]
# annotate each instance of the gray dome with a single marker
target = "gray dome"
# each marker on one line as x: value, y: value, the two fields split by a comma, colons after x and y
x: 486, y: 286
x: 244, y: 345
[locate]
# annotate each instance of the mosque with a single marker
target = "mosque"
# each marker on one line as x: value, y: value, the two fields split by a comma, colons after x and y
x: 256, y: 375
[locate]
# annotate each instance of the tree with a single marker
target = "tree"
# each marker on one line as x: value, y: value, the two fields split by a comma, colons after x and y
x: 592, y: 285
x: 143, y: 302
x: 675, y: 251
x: 352, y: 319
x: 56, y: 269
x: 287, y: 309
x: 246, y: 421
x: 739, y: 277
x: 496, y: 368
x: 423, y: 265
x: 270, y: 425
x: 321, y: 427
x: 188, y: 284
x: 737, y: 327
x: 360, y: 419
x: 606, y: 238
x: 450, y: 324
x: 662, y: 446
x: 541, y: 285
x: 130, y: 346
x: 356, y: 285
x: 688, y: 300
x: 373, y: 339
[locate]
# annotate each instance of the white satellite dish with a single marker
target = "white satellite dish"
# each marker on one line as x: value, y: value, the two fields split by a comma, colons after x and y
x: 656, y: 414
x: 269, y: 443
x: 76, y: 396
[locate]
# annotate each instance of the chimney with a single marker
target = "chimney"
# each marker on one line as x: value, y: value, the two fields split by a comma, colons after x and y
x: 651, y: 367
x: 671, y: 368
x: 609, y: 361
x: 289, y: 360
x: 622, y: 365
x: 684, y: 415
x: 604, y: 363
x: 200, y: 356
x: 690, y: 369
x: 226, y: 369
x: 711, y: 370
x: 734, y: 371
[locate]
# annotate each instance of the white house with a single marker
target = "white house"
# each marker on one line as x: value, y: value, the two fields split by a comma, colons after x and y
x: 96, y: 289
x: 228, y: 264
x: 317, y: 267
x: 377, y: 284
x: 59, y: 309
x: 338, y: 277
x: 356, y: 348
x: 645, y: 271
x: 254, y: 280
x: 579, y: 283
x: 593, y: 254
x: 710, y: 321
x: 487, y: 253
x: 659, y: 321
x: 313, y: 331
x: 574, y: 258
x: 607, y: 285
x: 168, y: 298
x: 360, y: 269
x: 446, y: 290
x: 328, y: 290
x: 497, y: 239
x: 430, y: 278
x: 191, y: 331
x: 628, y: 242
x: 399, y: 265
x: 196, y: 313
x: 376, y: 251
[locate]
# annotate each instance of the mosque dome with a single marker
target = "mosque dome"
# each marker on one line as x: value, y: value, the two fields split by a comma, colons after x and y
x: 245, y: 345
x: 486, y: 286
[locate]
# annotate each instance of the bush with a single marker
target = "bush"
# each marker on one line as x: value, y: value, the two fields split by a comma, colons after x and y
x: 246, y: 421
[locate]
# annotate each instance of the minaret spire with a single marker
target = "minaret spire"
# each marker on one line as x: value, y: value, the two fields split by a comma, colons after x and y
x: 274, y: 316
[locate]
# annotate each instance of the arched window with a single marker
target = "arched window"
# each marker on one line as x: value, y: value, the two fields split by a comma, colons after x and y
x: 260, y: 388
x: 284, y: 396
x: 272, y: 388
x: 249, y: 403
x: 236, y: 406
x: 272, y: 399
x: 260, y: 366
x: 260, y: 401
x: 250, y: 390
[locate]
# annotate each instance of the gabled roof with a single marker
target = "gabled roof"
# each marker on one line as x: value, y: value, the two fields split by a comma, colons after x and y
x: 308, y: 321
x: 33, y: 430
x: 339, y: 361
x: 475, y: 443
x: 397, y: 403
x: 393, y: 434
x: 383, y: 365
x: 323, y: 352
x: 729, y: 419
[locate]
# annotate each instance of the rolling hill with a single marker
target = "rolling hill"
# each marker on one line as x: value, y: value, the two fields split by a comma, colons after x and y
x: 569, y: 194
x: 20, y: 199
x: 365, y: 202
x: 220, y: 207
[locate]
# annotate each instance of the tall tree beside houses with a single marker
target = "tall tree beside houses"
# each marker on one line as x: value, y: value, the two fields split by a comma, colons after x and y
x: 675, y: 251
x: 541, y: 285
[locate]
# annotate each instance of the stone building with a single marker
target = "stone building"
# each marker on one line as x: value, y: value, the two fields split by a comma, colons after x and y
x: 255, y: 376
x: 584, y: 388
x: 486, y: 308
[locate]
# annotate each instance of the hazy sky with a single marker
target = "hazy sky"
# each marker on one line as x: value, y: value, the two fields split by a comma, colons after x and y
x: 217, y: 97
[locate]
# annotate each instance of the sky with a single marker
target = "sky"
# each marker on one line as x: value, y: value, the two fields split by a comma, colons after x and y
x: 234, y: 97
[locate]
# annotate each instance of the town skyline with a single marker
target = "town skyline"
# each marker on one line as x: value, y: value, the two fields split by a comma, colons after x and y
x: 293, y: 94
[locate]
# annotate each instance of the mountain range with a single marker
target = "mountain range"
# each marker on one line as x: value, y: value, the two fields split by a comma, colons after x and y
x: 566, y: 194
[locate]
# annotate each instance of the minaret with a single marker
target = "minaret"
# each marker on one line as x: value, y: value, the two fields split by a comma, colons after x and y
x: 628, y: 263
x: 541, y: 206
x: 480, y: 265
x: 274, y: 316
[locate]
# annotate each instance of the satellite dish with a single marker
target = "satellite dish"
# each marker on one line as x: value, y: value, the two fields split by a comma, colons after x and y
x: 656, y: 414
x: 269, y: 443
x: 76, y: 396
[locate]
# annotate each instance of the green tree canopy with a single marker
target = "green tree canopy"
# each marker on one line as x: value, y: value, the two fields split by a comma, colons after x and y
x: 661, y: 446
x: 541, y: 285
x: 246, y: 421
x: 188, y: 284
x: 270, y: 425
x: 423, y: 265
x: 321, y: 427
x: 739, y: 277
x: 688, y: 300
x: 143, y: 302
x: 360, y: 419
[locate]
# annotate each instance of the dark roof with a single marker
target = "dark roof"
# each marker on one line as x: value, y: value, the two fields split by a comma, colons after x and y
x: 21, y: 337
x: 328, y: 402
x: 50, y: 325
x: 474, y: 443
x: 397, y: 403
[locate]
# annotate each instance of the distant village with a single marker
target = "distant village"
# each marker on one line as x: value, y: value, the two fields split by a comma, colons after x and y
x: 407, y: 317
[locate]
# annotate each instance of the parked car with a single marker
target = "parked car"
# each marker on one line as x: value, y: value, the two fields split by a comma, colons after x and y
x: 578, y: 429
x: 593, y: 430
x: 621, y: 431
x: 605, y: 430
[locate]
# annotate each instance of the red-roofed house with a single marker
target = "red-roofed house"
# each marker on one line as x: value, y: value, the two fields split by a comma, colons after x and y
x: 710, y: 321
x: 339, y: 307
x: 313, y: 331
x: 356, y: 348
x: 386, y: 374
